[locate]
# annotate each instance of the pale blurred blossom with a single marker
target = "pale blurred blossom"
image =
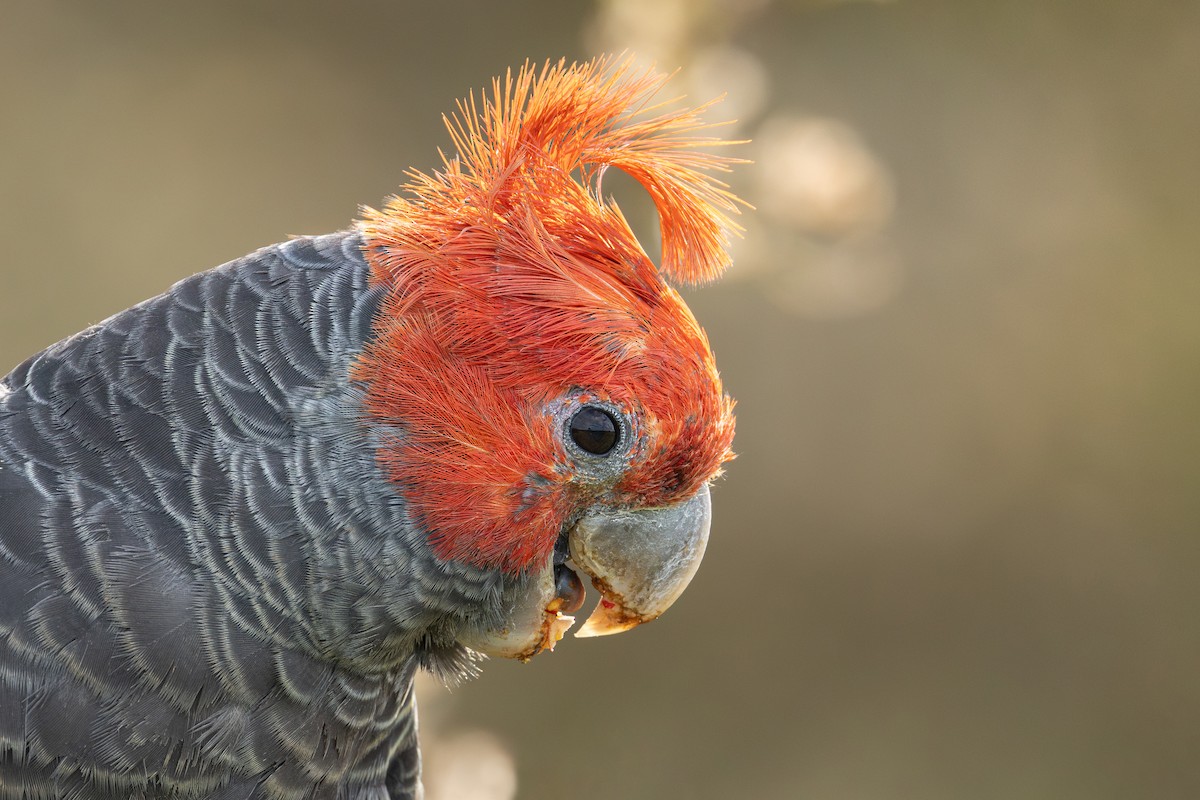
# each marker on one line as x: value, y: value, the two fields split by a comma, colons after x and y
x: 471, y: 765
x: 817, y: 175
x: 667, y: 32
x: 737, y: 75
x: 651, y: 31
x: 459, y: 764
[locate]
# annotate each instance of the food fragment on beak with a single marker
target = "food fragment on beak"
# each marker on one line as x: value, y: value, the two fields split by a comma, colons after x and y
x: 556, y: 628
x: 640, y: 561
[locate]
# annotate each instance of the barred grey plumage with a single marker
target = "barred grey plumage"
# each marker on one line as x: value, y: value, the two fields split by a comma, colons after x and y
x: 207, y: 586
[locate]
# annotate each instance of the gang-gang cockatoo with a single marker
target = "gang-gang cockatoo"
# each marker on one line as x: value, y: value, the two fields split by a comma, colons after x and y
x: 237, y: 518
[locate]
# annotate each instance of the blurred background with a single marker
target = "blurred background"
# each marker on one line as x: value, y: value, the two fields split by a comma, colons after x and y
x: 957, y: 555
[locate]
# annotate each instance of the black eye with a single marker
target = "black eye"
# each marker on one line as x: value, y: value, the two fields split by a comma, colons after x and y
x: 594, y: 430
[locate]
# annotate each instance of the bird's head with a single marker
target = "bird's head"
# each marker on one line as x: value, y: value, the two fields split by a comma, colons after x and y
x: 556, y: 395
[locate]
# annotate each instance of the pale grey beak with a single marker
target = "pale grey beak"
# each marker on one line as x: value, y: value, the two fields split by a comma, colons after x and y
x: 640, y: 561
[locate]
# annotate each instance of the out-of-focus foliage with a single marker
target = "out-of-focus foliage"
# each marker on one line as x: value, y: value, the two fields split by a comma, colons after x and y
x: 956, y: 556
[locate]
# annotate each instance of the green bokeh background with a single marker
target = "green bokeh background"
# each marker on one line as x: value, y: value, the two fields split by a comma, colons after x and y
x: 957, y: 555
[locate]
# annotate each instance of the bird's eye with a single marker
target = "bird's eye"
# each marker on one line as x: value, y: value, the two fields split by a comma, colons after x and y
x: 594, y: 430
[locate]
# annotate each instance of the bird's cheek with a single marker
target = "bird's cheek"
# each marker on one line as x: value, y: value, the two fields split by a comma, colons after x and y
x: 533, y: 621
